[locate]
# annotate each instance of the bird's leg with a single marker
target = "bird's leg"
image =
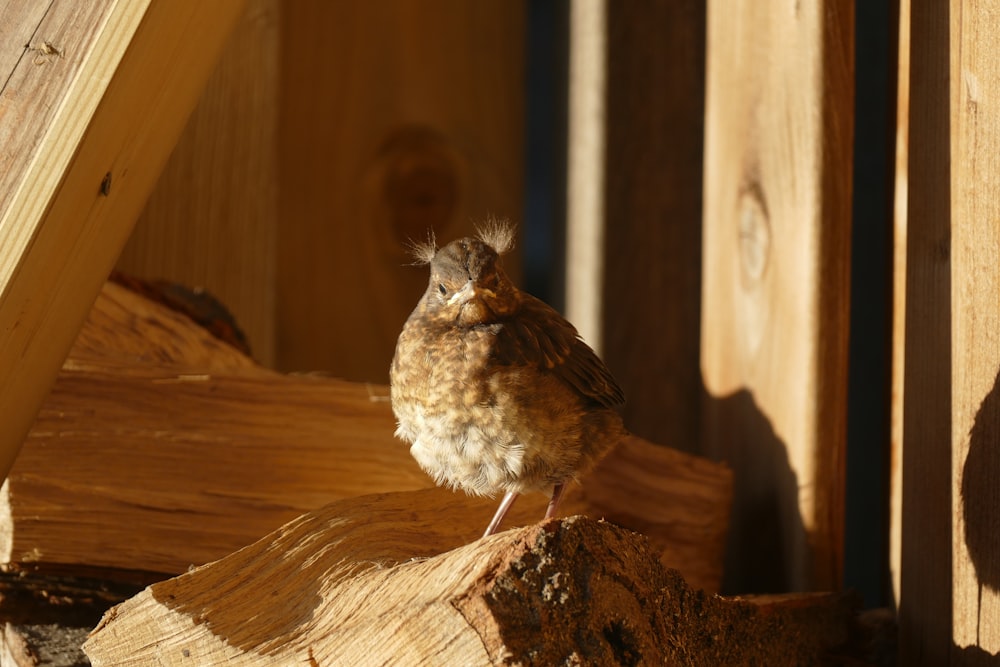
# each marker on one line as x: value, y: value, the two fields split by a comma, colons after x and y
x: 505, y: 504
x: 554, y: 503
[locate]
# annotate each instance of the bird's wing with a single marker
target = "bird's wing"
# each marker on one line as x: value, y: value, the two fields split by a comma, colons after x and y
x: 540, y: 336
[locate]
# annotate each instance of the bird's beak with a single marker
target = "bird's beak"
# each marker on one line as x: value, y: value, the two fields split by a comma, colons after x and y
x: 469, y: 292
x: 473, y: 304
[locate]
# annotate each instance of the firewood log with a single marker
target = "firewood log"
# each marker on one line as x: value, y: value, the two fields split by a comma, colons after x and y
x: 160, y: 448
x: 355, y: 583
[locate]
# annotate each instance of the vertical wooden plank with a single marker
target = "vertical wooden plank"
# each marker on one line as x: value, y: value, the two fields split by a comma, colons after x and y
x: 585, y: 168
x: 925, y: 558
x: 779, y: 123
x: 899, y: 296
x: 975, y: 293
x: 397, y: 117
x: 212, y: 219
x: 651, y: 292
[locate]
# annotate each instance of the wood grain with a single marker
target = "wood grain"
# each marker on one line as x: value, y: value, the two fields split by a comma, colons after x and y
x: 198, y: 463
x: 586, y: 165
x: 651, y: 293
x: 211, y: 220
x: 925, y: 577
x: 777, y: 203
x: 396, y: 117
x: 975, y: 307
x: 200, y: 451
x: 18, y: 22
x: 900, y: 200
x: 354, y: 583
x: 103, y: 103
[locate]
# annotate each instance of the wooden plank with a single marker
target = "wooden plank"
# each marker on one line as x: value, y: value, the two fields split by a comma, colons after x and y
x: 409, y: 117
x: 18, y: 21
x: 777, y: 203
x: 585, y: 168
x: 212, y: 218
x: 975, y: 329
x: 925, y: 554
x: 651, y: 292
x: 900, y: 197
x: 72, y: 186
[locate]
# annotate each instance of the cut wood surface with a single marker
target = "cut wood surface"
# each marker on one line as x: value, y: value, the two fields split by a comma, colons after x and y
x: 175, y: 451
x: 354, y: 583
x: 92, y: 104
x: 775, y: 276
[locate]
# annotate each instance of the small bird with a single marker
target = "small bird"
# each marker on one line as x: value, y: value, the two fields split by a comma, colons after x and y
x: 493, y: 389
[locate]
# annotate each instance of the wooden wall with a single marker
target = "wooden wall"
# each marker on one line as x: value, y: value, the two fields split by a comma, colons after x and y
x: 331, y: 133
x: 212, y: 219
x: 397, y: 117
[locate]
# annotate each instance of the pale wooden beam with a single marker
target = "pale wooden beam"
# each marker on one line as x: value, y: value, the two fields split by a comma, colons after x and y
x: 585, y: 168
x: 91, y: 110
x: 899, y: 295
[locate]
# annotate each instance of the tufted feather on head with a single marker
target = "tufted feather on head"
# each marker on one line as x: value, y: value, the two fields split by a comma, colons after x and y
x: 423, y: 251
x: 497, y: 234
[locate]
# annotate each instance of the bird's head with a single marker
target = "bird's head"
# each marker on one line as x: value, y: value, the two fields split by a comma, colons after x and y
x: 468, y: 285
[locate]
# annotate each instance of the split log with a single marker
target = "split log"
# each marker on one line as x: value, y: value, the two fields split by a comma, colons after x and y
x: 173, y: 450
x: 126, y: 326
x: 355, y: 583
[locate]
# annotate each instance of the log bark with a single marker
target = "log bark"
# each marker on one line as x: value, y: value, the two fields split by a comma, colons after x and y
x: 49, y: 645
x: 355, y: 583
x: 160, y: 448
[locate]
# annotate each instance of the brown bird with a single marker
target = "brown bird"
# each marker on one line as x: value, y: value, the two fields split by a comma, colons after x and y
x: 493, y: 389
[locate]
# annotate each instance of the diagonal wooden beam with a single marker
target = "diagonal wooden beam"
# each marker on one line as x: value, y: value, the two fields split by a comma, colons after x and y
x: 89, y: 111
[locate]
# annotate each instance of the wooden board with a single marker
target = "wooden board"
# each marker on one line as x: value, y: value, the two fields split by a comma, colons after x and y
x: 775, y: 270
x: 925, y: 557
x: 396, y: 117
x: 651, y: 292
x: 211, y: 220
x: 975, y: 330
x: 900, y: 201
x: 90, y: 112
x: 586, y: 165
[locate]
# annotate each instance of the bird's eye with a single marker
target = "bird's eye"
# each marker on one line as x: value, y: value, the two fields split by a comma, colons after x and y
x: 442, y: 288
